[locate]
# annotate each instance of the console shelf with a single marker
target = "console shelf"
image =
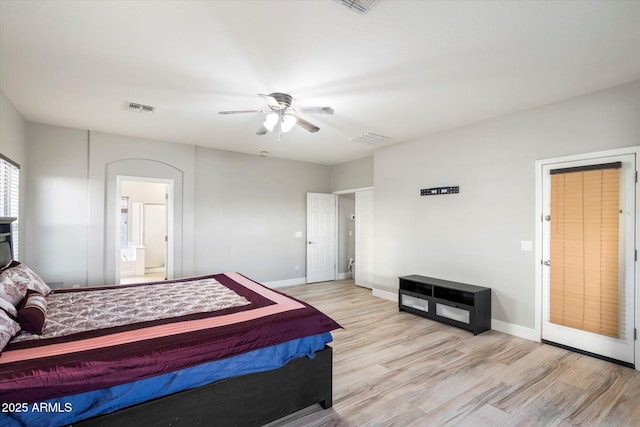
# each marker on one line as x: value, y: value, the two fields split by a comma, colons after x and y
x: 457, y: 304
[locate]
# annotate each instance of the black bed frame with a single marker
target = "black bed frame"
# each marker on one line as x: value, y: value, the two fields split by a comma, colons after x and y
x: 247, y: 400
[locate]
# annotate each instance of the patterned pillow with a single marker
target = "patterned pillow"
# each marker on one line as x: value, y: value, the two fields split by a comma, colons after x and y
x: 23, y: 276
x: 8, y: 329
x: 11, y: 291
x: 33, y: 313
x: 8, y: 307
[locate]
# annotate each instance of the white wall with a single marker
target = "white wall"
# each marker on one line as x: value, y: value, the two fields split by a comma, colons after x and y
x: 241, y: 211
x: 235, y: 212
x: 474, y: 236
x: 56, y: 219
x: 12, y: 131
x: 248, y: 211
x: 351, y: 175
x: 13, y: 145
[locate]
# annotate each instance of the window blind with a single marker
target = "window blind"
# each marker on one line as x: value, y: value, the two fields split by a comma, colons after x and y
x: 10, y: 196
x: 584, y: 267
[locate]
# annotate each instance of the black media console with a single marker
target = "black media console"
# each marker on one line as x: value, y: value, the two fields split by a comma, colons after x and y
x: 453, y: 303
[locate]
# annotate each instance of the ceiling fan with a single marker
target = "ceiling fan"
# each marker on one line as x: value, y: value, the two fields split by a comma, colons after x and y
x: 281, y: 111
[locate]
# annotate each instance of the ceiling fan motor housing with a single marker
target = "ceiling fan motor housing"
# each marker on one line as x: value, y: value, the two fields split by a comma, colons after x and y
x: 283, y: 99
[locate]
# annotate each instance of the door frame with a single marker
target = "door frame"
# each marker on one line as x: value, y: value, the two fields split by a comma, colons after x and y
x: 364, y: 239
x: 349, y: 191
x: 169, y: 250
x: 539, y: 274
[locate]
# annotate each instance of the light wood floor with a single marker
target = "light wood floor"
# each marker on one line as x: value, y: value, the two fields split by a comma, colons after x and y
x: 398, y: 369
x: 148, y: 277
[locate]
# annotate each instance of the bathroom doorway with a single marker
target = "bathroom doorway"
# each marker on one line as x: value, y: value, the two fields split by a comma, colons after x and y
x: 346, y: 236
x: 143, y: 230
x: 354, y: 238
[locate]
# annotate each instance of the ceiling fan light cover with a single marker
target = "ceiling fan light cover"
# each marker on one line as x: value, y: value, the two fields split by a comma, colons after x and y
x: 270, y: 121
x: 288, y: 122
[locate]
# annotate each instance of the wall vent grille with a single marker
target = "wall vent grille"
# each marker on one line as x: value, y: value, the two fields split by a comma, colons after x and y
x: 369, y: 138
x: 360, y: 6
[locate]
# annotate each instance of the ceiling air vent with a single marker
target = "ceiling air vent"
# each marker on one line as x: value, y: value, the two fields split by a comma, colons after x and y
x: 369, y: 138
x: 140, y: 108
x: 360, y: 6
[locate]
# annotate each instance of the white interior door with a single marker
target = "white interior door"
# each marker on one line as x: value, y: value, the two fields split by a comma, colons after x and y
x: 620, y: 346
x: 155, y: 232
x: 321, y: 235
x: 364, y: 239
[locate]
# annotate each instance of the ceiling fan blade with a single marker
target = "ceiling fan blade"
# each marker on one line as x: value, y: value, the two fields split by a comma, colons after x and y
x: 305, y: 124
x: 240, y: 111
x: 273, y: 103
x: 315, y: 110
x: 262, y: 131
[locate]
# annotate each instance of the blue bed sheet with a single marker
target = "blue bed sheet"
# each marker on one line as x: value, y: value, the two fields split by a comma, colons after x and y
x: 66, y: 410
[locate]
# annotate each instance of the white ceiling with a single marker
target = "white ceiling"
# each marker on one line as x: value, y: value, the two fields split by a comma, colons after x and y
x: 405, y: 70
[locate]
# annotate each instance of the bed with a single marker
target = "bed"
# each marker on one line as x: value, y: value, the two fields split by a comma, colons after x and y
x: 233, y: 352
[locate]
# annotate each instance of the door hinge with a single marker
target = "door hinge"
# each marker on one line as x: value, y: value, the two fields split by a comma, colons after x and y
x: 636, y: 176
x: 635, y: 334
x: 636, y: 255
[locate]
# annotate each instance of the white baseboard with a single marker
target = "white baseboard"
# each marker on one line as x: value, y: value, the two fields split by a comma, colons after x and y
x: 497, y: 325
x: 299, y: 281
x: 391, y: 296
x: 286, y: 282
x: 515, y: 330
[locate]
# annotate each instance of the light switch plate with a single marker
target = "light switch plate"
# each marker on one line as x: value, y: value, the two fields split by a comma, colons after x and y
x: 298, y: 233
x: 526, y: 245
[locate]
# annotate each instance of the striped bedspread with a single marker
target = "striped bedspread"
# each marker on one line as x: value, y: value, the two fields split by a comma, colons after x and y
x: 96, y: 338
